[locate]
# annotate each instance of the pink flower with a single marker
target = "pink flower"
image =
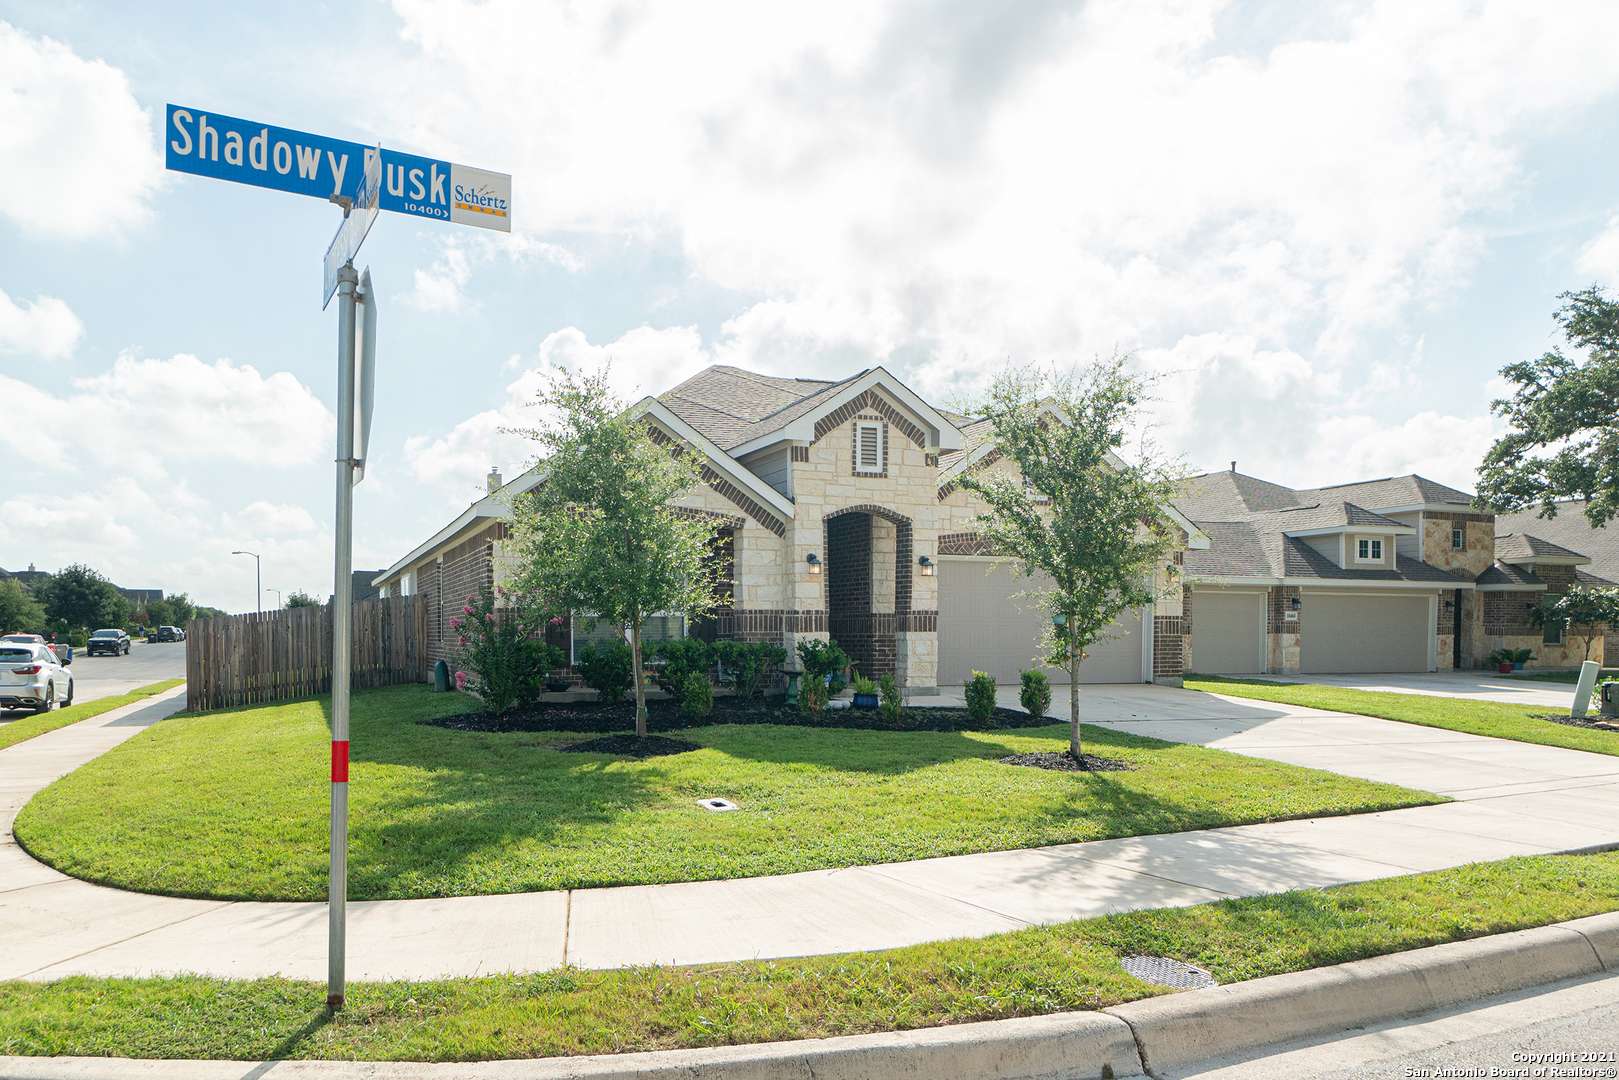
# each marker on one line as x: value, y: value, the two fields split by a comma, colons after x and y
x: 460, y: 680
x: 556, y: 620
x: 466, y: 609
x: 455, y: 623
x: 462, y: 641
x: 470, y: 598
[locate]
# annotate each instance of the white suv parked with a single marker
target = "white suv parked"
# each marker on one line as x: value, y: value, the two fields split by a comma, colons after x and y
x: 31, y: 677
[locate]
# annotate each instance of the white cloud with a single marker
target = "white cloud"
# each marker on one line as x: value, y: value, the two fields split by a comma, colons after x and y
x: 439, y: 288
x: 44, y: 328
x: 261, y: 518
x: 144, y: 415
x: 641, y: 362
x: 1600, y: 257
x: 943, y: 191
x: 80, y: 155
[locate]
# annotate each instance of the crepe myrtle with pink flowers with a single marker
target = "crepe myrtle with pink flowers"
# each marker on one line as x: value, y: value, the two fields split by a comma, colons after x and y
x: 503, y: 655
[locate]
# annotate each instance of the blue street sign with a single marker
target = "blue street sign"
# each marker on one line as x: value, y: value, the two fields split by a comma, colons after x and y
x: 227, y: 148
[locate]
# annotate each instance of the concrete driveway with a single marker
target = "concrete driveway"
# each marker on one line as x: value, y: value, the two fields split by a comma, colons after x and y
x: 1462, y: 685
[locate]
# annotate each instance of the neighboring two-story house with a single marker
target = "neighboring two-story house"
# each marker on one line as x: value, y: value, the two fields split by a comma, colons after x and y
x: 840, y: 516
x: 1395, y: 575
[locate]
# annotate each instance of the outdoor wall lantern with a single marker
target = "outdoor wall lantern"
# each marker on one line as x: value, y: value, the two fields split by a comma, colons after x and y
x: 814, y: 562
x: 927, y: 566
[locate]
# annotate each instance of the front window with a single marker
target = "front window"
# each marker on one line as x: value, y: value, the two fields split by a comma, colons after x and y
x: 653, y: 628
x: 1369, y: 551
x: 1552, y: 630
x: 1458, y: 539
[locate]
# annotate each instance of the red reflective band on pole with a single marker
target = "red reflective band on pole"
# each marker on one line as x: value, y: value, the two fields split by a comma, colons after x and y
x: 340, y: 761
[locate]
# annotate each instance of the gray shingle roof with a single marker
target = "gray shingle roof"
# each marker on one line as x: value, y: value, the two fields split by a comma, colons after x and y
x: 1327, y: 515
x: 1235, y: 550
x: 1300, y: 560
x: 1391, y: 491
x: 1571, y: 529
x: 732, y: 406
x: 1506, y: 574
x: 1527, y: 546
x: 1232, y: 496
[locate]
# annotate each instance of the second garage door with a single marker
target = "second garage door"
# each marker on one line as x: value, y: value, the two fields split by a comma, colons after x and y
x: 981, y: 627
x: 1345, y: 633
x: 1228, y: 632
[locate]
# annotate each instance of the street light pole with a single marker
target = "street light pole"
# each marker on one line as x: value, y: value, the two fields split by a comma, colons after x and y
x: 258, y: 591
x: 279, y: 603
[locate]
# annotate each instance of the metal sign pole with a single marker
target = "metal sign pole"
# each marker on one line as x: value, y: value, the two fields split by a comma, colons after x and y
x: 342, y: 602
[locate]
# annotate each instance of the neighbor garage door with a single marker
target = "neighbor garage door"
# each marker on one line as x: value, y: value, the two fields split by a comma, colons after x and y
x: 981, y: 627
x: 1228, y: 632
x: 1348, y: 633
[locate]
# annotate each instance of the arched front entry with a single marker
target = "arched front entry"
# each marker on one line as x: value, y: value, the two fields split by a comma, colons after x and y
x: 868, y: 583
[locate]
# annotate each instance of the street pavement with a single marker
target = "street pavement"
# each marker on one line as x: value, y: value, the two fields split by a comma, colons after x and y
x: 105, y: 676
x: 1511, y: 799
x: 1518, y: 1034
x: 1461, y: 685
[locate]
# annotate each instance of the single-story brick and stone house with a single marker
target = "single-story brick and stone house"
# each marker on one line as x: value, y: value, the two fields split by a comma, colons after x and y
x: 1393, y: 575
x: 841, y: 515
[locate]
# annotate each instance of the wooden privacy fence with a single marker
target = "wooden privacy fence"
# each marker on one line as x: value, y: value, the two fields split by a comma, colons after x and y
x: 278, y: 655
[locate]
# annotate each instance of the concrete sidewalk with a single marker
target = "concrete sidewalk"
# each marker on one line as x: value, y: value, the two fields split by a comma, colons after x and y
x: 1461, y: 685
x: 1513, y: 799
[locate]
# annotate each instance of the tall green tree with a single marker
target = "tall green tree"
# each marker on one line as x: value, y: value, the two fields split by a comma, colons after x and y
x: 1563, y: 442
x: 19, y: 611
x: 1088, y: 528
x: 598, y: 537
x: 298, y: 598
x: 78, y: 597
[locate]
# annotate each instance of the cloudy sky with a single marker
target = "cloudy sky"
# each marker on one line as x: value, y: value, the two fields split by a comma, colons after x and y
x: 1325, y: 231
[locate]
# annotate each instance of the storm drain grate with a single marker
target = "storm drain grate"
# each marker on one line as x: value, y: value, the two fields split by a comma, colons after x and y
x: 1162, y: 971
x: 716, y: 804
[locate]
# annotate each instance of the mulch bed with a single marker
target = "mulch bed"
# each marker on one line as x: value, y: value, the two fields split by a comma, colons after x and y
x: 1584, y: 722
x: 1063, y: 761
x: 630, y: 746
x: 666, y: 716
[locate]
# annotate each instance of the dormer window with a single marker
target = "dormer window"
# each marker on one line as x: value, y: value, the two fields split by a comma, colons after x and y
x: 869, y: 452
x: 1368, y: 550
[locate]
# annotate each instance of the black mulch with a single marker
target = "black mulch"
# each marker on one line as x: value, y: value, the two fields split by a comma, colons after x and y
x: 1584, y: 722
x: 629, y: 746
x: 1063, y: 761
x: 666, y: 716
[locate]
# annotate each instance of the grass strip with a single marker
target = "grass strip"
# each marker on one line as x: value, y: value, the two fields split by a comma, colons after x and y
x: 1525, y: 723
x: 234, y: 804
x: 1022, y: 973
x: 27, y: 727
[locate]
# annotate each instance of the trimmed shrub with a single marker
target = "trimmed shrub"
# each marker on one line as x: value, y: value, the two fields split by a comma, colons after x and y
x: 607, y: 668
x: 821, y: 661
x: 678, y: 660
x: 500, y: 651
x: 697, y: 695
x: 981, y: 696
x: 890, y: 701
x: 1035, y: 692
x: 749, y: 664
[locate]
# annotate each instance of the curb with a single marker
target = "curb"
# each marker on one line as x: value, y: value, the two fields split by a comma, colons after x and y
x: 1153, y: 1036
x: 1180, y: 1030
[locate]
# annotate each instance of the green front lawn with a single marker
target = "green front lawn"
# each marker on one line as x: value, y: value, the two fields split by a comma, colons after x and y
x: 234, y: 803
x: 1560, y: 676
x: 1522, y: 722
x: 27, y: 725
x: 1051, y: 969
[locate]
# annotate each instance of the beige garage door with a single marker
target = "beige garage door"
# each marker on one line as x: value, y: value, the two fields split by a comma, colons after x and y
x: 981, y: 627
x: 1344, y: 633
x: 1228, y: 632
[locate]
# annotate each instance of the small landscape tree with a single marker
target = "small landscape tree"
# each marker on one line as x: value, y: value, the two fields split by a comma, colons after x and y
x: 1090, y: 524
x: 598, y: 535
x: 299, y: 599
x: 1583, y: 611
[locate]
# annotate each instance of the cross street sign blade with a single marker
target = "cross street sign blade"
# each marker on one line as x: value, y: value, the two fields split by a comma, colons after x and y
x: 355, y: 226
x: 365, y: 382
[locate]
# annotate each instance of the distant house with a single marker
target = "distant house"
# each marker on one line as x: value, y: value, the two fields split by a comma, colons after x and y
x: 141, y: 597
x: 29, y: 577
x: 363, y: 585
x: 1390, y: 575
